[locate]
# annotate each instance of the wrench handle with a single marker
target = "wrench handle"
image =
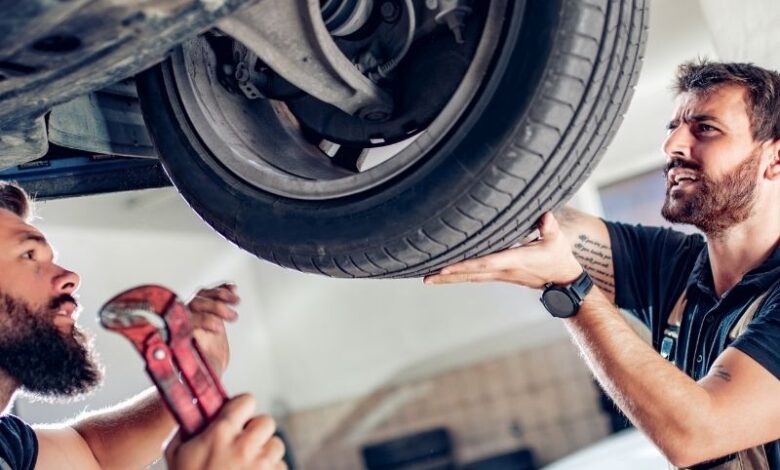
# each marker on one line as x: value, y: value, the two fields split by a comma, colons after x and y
x: 199, y: 376
x: 175, y: 394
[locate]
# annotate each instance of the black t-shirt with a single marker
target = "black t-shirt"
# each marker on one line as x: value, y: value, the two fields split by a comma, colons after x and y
x: 652, y: 268
x: 18, y: 444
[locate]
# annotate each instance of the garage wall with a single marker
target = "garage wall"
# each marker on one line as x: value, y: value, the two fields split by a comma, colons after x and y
x: 540, y: 398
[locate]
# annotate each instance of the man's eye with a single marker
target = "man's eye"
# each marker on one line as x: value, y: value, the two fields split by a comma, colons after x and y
x: 706, y: 128
x: 29, y: 254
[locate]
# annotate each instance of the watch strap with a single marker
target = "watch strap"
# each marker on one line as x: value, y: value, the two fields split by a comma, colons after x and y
x: 582, y: 285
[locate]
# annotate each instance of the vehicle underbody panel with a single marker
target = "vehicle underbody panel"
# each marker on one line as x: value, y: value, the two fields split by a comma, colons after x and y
x: 52, y: 51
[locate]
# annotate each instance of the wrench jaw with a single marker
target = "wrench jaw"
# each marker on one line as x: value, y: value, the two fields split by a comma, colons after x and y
x: 158, y: 324
x: 152, y: 298
x: 138, y: 313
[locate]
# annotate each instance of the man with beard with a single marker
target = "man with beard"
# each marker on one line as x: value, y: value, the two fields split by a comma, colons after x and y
x: 712, y: 396
x: 43, y: 352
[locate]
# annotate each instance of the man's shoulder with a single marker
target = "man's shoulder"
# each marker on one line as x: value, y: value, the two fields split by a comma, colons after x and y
x: 656, y: 230
x: 647, y: 238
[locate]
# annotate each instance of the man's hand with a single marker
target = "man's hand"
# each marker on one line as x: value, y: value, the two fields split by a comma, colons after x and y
x: 210, y: 309
x: 548, y: 259
x: 234, y: 440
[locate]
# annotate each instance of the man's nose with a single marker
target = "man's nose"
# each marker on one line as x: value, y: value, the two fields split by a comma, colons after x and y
x: 66, y: 282
x: 678, y: 143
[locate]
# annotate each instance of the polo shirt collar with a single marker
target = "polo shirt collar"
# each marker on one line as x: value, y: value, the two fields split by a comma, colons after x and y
x: 760, y: 278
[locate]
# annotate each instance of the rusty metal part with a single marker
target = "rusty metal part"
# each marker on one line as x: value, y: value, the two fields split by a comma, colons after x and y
x: 157, y: 323
x: 291, y: 38
x: 22, y: 141
x: 52, y: 51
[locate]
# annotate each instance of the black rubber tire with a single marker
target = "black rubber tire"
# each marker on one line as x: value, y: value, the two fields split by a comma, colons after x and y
x: 553, y: 99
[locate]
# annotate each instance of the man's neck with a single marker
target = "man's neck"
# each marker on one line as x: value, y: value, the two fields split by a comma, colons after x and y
x: 741, y: 249
x: 8, y: 387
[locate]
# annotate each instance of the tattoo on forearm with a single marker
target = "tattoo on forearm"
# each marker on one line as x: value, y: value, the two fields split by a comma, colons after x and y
x: 596, y: 258
x: 720, y: 372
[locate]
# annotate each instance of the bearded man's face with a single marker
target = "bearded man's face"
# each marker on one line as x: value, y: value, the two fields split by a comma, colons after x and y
x: 712, y: 160
x: 44, y: 359
x: 709, y: 205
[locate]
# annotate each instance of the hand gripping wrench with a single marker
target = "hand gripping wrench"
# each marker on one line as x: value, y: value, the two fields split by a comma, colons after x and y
x: 158, y: 324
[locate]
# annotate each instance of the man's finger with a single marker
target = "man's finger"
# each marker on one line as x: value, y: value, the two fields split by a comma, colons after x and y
x: 500, y: 261
x: 274, y: 449
x: 237, y: 411
x: 464, y: 277
x: 202, y: 305
x: 548, y: 227
x: 224, y: 292
x: 256, y: 435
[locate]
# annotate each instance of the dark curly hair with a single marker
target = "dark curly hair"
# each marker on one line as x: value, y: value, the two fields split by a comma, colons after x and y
x: 762, y: 87
x: 15, y: 199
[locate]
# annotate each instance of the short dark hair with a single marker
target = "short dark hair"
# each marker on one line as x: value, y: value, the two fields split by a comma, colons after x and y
x: 762, y: 87
x: 15, y: 199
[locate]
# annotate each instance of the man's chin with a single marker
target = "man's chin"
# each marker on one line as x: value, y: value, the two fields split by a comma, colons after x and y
x: 71, y: 376
x: 676, y: 211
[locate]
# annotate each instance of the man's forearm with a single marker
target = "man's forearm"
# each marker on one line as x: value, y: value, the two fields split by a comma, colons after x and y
x: 667, y: 405
x: 128, y: 435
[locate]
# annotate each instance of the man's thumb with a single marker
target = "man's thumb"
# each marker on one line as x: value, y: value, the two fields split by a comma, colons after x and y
x: 548, y: 227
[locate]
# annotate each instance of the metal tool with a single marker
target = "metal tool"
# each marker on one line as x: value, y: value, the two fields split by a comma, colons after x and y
x: 158, y: 324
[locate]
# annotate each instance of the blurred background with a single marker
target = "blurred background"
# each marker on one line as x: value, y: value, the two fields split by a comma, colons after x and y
x: 475, y: 376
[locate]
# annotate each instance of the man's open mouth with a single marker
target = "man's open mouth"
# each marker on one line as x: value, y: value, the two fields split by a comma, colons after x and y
x: 69, y: 310
x: 682, y: 178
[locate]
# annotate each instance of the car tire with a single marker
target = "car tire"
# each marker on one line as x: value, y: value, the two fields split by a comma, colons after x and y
x: 554, y: 97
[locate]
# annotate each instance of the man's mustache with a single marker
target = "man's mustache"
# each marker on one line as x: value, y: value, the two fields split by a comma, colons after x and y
x: 58, y: 301
x: 680, y: 163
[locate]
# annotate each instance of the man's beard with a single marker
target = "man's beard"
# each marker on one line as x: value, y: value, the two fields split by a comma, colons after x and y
x: 45, y: 361
x: 714, y: 206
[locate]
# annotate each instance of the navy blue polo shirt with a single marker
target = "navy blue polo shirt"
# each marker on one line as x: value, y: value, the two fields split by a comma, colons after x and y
x: 652, y: 267
x: 18, y: 444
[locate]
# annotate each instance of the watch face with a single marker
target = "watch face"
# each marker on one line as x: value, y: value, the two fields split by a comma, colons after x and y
x: 558, y: 302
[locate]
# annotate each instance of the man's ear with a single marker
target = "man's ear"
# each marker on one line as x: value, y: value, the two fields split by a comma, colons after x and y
x: 773, y: 169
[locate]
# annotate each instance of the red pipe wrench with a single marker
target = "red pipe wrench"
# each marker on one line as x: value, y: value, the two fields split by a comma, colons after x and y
x: 158, y: 324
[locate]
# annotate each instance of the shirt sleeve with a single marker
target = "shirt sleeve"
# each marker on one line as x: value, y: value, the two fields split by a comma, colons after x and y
x: 18, y: 443
x: 761, y: 338
x: 652, y: 266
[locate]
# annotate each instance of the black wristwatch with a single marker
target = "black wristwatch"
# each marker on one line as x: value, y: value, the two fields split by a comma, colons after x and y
x: 565, y: 301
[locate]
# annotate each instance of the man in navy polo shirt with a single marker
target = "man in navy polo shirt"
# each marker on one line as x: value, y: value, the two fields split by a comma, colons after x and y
x: 711, y: 398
